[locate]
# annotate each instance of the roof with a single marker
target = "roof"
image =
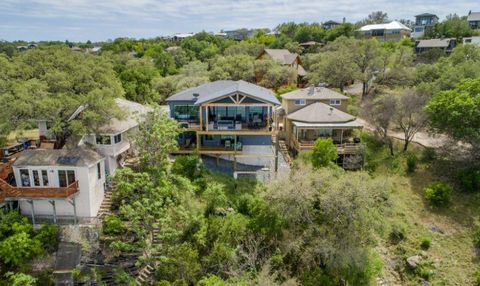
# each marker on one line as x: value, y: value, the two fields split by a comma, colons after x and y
x: 283, y: 56
x: 331, y: 22
x: 133, y: 111
x: 426, y: 15
x: 320, y: 112
x: 319, y: 93
x: 350, y: 124
x: 220, y: 88
x: 473, y: 16
x: 394, y: 25
x: 77, y: 157
x: 309, y: 43
x: 434, y: 43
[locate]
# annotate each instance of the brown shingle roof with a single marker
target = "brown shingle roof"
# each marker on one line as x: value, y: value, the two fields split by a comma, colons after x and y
x: 319, y: 112
x: 283, y: 56
x: 434, y: 43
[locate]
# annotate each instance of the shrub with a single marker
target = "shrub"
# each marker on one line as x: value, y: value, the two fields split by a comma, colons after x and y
x: 425, y: 270
x: 429, y: 154
x: 324, y: 152
x: 49, y: 236
x: 476, y: 237
x: 112, y: 225
x: 398, y: 233
x: 470, y: 180
x: 438, y: 194
x: 425, y: 243
x: 189, y: 166
x: 477, y: 277
x: 411, y: 163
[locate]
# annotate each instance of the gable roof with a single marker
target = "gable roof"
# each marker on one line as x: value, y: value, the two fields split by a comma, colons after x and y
x: 331, y: 22
x: 134, y: 112
x: 394, y: 25
x: 283, y: 56
x: 319, y: 112
x: 77, y: 157
x: 434, y: 43
x: 426, y: 15
x: 319, y: 93
x: 220, y: 88
x: 473, y: 16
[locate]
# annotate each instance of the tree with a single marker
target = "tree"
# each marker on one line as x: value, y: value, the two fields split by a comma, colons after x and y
x: 376, y: 17
x: 366, y: 55
x: 51, y: 83
x: 410, y: 115
x: 164, y: 61
x: 271, y: 74
x: 237, y: 67
x: 453, y: 26
x: 381, y: 112
x: 335, y: 68
x: 20, y: 279
x: 156, y: 139
x: 456, y: 112
x: 137, y: 79
x: 324, y: 152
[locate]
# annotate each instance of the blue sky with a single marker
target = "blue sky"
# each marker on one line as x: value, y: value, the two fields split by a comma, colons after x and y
x: 96, y: 20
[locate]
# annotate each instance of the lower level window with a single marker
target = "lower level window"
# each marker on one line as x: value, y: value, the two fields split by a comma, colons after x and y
x: 65, y: 178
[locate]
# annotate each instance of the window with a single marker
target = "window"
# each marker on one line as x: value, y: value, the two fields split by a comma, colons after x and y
x: 36, y: 178
x: 335, y: 102
x: 25, y: 177
x: 44, y: 178
x: 99, y: 170
x: 186, y: 112
x: 117, y: 138
x: 66, y: 178
x: 103, y: 140
x: 323, y: 133
x: 300, y: 102
x: 378, y: 33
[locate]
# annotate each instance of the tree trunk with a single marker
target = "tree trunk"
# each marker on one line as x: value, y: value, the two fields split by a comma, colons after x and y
x: 405, y: 146
x: 390, y: 145
x: 364, y: 89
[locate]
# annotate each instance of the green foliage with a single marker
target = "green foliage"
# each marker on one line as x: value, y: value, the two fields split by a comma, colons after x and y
x: 476, y: 276
x: 426, y: 242
x: 428, y: 155
x: 411, y: 163
x: 137, y: 80
x: 189, y: 166
x: 425, y: 269
x: 469, y: 179
x: 285, y: 89
x: 112, y: 225
x: 476, y: 237
x: 235, y: 67
x: 20, y: 279
x: 49, y: 237
x: 19, y: 248
x: 324, y: 153
x: 438, y: 194
x: 211, y: 280
x: 182, y: 263
x: 215, y: 197
x: 398, y: 233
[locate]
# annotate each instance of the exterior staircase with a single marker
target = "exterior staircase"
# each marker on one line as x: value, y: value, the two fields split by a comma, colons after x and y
x: 105, y: 206
x: 283, y: 148
x: 144, y: 276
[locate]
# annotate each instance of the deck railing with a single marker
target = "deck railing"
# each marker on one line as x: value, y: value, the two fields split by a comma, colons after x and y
x: 344, y: 148
x: 10, y: 191
x: 6, y: 169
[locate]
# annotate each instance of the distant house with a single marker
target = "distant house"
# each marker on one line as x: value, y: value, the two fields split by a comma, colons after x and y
x: 94, y: 50
x: 446, y: 45
x: 318, y: 112
x: 330, y: 24
x: 473, y: 19
x: 393, y: 31
x: 182, y: 36
x: 69, y: 182
x: 310, y: 44
x: 27, y: 47
x: 284, y: 57
x: 239, y: 34
x: 472, y: 40
x: 423, y: 22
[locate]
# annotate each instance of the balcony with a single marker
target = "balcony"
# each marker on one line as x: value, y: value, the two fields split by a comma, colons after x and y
x: 342, y: 149
x: 12, y: 192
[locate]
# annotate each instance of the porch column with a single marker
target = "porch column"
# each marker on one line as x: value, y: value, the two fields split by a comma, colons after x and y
x: 201, y: 117
x: 206, y: 117
x: 54, y: 211
x: 72, y: 202
x: 341, y: 136
x: 33, y: 211
x: 234, y: 145
x: 268, y: 118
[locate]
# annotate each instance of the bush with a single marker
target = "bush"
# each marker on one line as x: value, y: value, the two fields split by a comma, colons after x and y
x: 428, y: 154
x: 49, y: 236
x: 438, y: 194
x: 411, y: 163
x: 112, y: 225
x: 425, y: 243
x: 324, y: 152
x: 477, y: 277
x: 425, y: 270
x: 476, y: 237
x: 470, y: 180
x: 398, y: 233
x: 189, y: 166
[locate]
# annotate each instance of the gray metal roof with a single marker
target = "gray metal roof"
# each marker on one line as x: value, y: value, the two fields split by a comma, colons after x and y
x: 319, y: 93
x: 434, y: 43
x: 283, y: 56
x: 426, y: 15
x: 319, y: 112
x: 473, y: 16
x: 220, y: 88
x: 77, y: 157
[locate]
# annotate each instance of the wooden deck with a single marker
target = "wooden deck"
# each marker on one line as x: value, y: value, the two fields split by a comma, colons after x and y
x: 12, y: 192
x: 6, y: 169
x: 342, y: 149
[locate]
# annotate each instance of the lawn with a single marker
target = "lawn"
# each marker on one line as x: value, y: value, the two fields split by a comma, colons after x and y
x: 451, y: 258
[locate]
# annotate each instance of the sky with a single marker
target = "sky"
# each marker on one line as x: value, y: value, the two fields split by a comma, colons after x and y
x: 100, y: 20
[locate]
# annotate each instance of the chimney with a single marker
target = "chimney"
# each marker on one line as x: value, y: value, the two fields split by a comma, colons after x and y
x: 311, y: 90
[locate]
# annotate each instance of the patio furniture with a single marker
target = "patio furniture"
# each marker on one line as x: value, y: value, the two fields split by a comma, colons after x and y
x: 228, y: 144
x: 239, y: 146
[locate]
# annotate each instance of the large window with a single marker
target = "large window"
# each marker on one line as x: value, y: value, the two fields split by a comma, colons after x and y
x: 44, y: 178
x: 25, y: 177
x: 36, y: 178
x: 186, y: 112
x: 103, y: 140
x: 117, y: 138
x: 378, y: 33
x: 335, y: 102
x: 66, y: 177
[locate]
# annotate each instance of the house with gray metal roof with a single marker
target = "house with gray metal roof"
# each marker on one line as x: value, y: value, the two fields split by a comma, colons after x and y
x: 446, y: 44
x: 225, y: 118
x: 473, y: 19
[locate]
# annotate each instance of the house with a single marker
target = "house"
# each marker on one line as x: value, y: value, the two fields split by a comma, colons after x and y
x: 310, y: 44
x: 472, y: 40
x: 228, y: 119
x: 284, y: 57
x: 330, y: 25
x: 69, y: 181
x: 446, y: 45
x: 393, y: 31
x: 239, y: 34
x: 182, y: 36
x: 473, y: 19
x: 318, y: 112
x: 423, y: 22
x: 27, y: 47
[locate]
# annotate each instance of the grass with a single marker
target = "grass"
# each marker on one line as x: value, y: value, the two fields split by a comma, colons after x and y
x: 12, y: 137
x: 451, y: 258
